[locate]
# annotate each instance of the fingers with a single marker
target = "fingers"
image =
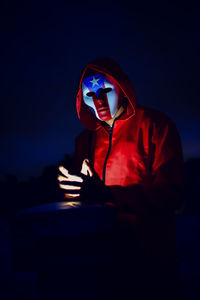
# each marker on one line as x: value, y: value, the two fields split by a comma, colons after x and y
x: 69, y: 187
x: 71, y: 196
x: 63, y: 171
x: 68, y: 177
x: 86, y: 169
x: 69, y: 183
x: 61, y: 178
x: 65, y: 181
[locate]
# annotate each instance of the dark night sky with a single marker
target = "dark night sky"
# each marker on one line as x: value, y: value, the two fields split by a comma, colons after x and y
x: 45, y: 45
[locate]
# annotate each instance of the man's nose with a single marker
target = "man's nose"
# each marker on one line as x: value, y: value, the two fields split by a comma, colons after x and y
x: 99, y: 93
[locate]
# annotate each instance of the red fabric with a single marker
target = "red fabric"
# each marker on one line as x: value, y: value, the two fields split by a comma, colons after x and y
x: 144, y: 169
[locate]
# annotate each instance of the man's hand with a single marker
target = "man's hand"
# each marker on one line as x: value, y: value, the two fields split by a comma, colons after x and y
x: 87, y: 186
x: 72, y: 184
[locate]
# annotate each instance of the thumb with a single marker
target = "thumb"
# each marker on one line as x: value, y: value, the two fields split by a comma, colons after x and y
x: 86, y: 169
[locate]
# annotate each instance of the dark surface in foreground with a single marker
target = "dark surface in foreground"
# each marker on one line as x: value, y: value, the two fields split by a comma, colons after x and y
x: 24, y: 285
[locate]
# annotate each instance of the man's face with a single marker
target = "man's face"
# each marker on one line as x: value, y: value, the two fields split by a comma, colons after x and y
x: 101, y: 95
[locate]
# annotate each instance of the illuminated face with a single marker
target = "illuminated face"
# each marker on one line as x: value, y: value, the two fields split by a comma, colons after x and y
x: 101, y: 96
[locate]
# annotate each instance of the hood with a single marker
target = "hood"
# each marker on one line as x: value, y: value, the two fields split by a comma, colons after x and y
x: 108, y: 67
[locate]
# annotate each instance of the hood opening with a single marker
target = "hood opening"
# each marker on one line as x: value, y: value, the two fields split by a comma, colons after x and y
x: 111, y: 69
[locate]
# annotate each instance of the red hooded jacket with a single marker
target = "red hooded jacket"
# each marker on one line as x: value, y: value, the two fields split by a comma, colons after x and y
x: 140, y: 159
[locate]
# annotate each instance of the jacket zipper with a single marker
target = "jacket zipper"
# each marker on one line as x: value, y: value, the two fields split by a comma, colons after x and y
x: 108, y: 153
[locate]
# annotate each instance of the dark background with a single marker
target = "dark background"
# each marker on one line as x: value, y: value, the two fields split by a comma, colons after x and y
x: 45, y: 45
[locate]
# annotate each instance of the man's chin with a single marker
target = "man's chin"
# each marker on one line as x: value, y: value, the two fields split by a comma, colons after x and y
x: 105, y: 118
x: 104, y: 115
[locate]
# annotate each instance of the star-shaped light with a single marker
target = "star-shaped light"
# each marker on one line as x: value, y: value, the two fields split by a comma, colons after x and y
x: 94, y: 81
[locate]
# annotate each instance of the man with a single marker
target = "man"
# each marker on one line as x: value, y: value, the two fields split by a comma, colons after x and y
x: 129, y: 156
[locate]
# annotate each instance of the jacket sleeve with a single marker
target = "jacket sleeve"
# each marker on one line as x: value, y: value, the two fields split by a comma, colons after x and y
x: 164, y: 193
